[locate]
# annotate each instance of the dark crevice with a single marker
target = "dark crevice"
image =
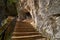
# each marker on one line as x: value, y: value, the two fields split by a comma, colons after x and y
x: 56, y: 15
x: 28, y: 15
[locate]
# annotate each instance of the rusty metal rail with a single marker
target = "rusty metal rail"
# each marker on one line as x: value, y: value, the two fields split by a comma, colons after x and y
x: 5, y: 29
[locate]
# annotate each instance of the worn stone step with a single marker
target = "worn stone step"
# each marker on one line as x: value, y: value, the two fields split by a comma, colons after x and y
x: 29, y: 39
x: 25, y: 33
x: 29, y: 36
x: 24, y: 27
x: 23, y: 39
x: 23, y: 24
x: 24, y: 30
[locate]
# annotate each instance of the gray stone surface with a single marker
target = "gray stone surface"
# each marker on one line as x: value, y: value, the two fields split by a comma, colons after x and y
x: 44, y: 13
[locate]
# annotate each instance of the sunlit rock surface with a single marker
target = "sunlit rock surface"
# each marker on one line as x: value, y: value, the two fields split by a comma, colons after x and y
x: 45, y: 14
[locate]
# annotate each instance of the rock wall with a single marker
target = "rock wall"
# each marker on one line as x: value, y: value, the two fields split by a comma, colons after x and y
x: 7, y: 9
x: 46, y: 15
x: 2, y: 11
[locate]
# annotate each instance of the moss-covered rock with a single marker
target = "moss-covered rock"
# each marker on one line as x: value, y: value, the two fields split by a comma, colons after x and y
x: 11, y: 10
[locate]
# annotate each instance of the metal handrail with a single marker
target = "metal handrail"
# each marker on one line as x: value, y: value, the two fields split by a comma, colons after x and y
x: 3, y: 32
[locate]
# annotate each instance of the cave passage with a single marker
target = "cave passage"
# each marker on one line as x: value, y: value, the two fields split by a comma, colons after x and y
x: 28, y: 15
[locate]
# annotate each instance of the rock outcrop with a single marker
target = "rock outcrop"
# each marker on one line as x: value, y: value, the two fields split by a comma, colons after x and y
x: 45, y: 14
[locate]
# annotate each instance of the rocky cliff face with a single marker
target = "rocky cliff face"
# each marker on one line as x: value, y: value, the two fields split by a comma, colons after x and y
x: 45, y: 13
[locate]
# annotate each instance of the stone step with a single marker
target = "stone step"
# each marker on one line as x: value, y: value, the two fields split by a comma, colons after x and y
x: 25, y: 37
x: 29, y: 39
x: 25, y: 33
x: 24, y: 30
x: 24, y: 27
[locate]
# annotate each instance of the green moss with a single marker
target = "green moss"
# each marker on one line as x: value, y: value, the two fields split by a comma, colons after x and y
x: 11, y: 8
x: 11, y: 1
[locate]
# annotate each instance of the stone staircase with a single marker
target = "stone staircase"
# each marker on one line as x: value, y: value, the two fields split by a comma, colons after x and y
x: 25, y: 31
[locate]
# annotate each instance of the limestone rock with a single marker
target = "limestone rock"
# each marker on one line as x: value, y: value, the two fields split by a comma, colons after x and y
x: 44, y: 14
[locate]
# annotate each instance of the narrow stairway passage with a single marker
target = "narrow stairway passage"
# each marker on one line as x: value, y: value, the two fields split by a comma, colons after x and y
x: 25, y: 31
